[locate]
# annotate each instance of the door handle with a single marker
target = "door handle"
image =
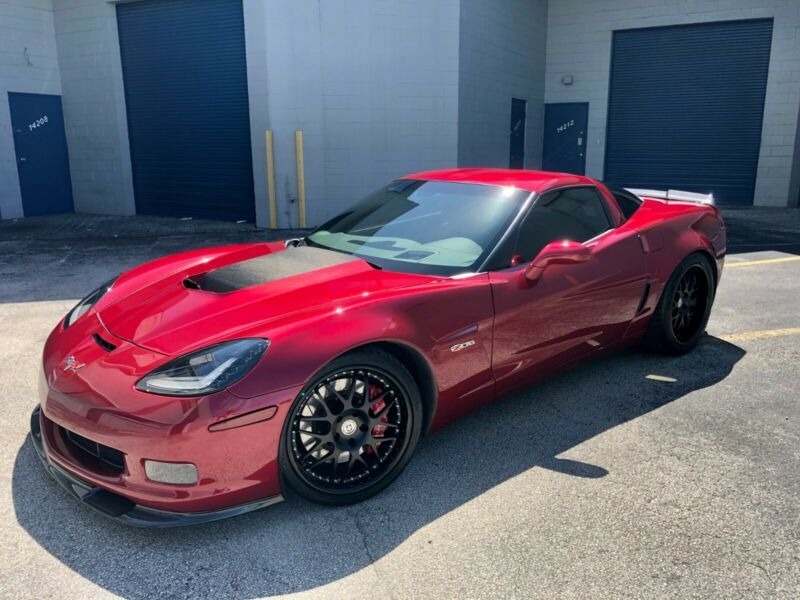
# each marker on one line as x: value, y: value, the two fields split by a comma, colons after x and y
x: 22, y: 159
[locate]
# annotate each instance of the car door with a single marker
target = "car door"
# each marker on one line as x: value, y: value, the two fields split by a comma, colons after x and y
x: 572, y: 309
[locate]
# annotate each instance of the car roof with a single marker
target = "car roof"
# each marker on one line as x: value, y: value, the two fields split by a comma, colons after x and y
x: 534, y: 181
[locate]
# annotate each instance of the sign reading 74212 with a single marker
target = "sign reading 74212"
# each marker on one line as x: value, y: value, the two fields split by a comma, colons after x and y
x: 566, y: 125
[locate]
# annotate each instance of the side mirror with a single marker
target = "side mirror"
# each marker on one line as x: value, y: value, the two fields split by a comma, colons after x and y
x: 564, y: 252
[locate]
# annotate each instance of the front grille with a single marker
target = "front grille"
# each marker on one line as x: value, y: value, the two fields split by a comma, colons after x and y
x: 107, y: 455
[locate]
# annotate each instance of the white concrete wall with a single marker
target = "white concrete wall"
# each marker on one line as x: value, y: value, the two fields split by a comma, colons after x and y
x: 23, y: 24
x: 380, y: 88
x: 579, y: 44
x: 502, y: 56
x: 94, y: 106
x: 373, y: 84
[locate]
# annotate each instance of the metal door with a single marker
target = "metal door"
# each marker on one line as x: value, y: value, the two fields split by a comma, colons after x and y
x: 565, y: 137
x: 686, y: 105
x: 185, y: 75
x: 41, y: 148
x: 572, y: 311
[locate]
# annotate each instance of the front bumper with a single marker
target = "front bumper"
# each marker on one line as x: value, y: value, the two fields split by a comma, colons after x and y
x: 123, y: 509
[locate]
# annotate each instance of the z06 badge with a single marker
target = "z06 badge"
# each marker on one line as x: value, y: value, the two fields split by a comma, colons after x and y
x: 462, y: 346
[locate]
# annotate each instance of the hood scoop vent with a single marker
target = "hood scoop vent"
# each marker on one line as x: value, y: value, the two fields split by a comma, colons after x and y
x: 103, y: 343
x: 262, y: 269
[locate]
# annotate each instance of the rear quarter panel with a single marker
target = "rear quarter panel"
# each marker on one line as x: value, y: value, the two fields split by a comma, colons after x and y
x: 670, y: 231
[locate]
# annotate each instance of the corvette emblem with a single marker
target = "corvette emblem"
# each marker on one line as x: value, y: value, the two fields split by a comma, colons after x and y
x: 72, y: 365
x: 461, y: 346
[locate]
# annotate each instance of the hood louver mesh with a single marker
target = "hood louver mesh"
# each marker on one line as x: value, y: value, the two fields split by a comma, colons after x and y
x: 278, y: 265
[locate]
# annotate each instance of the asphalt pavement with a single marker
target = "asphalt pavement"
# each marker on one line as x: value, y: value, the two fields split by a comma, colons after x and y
x: 633, y: 476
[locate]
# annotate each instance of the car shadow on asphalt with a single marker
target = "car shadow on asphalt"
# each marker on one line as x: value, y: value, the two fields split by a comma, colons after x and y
x: 298, y: 546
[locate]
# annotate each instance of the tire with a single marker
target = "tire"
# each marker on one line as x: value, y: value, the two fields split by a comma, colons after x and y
x: 680, y: 318
x: 345, y: 440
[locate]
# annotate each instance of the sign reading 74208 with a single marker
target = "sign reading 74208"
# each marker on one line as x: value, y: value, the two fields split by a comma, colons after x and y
x: 37, y: 123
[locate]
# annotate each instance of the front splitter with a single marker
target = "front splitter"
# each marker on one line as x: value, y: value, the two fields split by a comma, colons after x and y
x: 125, y: 510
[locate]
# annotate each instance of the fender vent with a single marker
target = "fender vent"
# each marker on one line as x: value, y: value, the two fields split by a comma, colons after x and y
x: 643, y: 301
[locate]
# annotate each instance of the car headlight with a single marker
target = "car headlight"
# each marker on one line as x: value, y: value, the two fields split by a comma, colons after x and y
x: 84, y: 305
x: 205, y: 371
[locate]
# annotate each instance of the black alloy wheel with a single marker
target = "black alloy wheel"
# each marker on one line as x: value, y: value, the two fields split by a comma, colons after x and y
x: 688, y: 304
x: 352, y: 430
x: 679, y: 320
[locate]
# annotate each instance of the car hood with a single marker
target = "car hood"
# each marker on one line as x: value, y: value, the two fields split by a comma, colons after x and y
x: 237, y: 293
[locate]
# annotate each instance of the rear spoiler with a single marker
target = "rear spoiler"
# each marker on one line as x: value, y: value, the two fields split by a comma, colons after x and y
x: 674, y: 195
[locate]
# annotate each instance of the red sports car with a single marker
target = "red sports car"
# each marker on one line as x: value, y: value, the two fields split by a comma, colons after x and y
x: 202, y: 385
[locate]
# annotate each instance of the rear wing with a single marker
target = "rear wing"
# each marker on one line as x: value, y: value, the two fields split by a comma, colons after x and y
x: 674, y: 195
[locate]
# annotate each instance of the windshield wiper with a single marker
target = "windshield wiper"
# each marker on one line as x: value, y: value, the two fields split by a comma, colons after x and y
x: 295, y: 242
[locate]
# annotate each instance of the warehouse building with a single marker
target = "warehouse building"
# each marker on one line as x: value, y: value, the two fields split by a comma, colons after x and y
x: 166, y: 107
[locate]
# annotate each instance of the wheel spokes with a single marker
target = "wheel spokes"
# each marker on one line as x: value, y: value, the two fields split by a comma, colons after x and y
x: 688, y: 304
x: 354, y: 458
x: 351, y: 394
x: 331, y: 387
x: 326, y: 446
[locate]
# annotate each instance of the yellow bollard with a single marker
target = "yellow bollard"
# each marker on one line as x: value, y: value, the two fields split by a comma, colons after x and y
x: 273, y: 208
x: 301, y: 179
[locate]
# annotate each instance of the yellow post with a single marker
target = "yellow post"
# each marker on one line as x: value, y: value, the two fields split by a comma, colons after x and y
x: 273, y: 207
x: 301, y: 178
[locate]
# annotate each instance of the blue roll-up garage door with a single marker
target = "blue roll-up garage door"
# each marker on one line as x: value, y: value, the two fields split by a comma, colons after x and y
x: 686, y: 105
x: 183, y: 63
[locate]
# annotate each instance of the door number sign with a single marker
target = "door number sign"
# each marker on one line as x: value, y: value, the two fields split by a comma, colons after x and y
x: 566, y: 125
x: 37, y: 123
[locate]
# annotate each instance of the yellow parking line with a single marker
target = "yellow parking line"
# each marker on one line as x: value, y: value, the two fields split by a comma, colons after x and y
x: 757, y: 335
x: 765, y: 261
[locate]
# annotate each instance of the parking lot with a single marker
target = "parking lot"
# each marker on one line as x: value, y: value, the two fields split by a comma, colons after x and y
x: 604, y: 481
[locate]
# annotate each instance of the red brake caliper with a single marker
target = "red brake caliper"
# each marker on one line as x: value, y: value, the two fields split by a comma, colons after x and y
x: 378, y: 430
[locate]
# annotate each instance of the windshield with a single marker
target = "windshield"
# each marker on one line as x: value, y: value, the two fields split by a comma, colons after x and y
x: 430, y: 227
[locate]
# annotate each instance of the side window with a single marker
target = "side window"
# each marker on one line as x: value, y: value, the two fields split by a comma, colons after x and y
x: 575, y: 214
x: 627, y: 202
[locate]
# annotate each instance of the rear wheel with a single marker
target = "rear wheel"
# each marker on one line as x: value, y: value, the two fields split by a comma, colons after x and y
x: 352, y: 429
x: 680, y: 317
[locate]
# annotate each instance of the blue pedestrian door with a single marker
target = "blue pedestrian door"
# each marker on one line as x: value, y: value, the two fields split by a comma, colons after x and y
x: 40, y: 144
x: 565, y: 137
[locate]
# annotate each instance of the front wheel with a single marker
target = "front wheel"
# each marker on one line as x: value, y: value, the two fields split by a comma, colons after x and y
x: 680, y: 317
x: 352, y: 429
